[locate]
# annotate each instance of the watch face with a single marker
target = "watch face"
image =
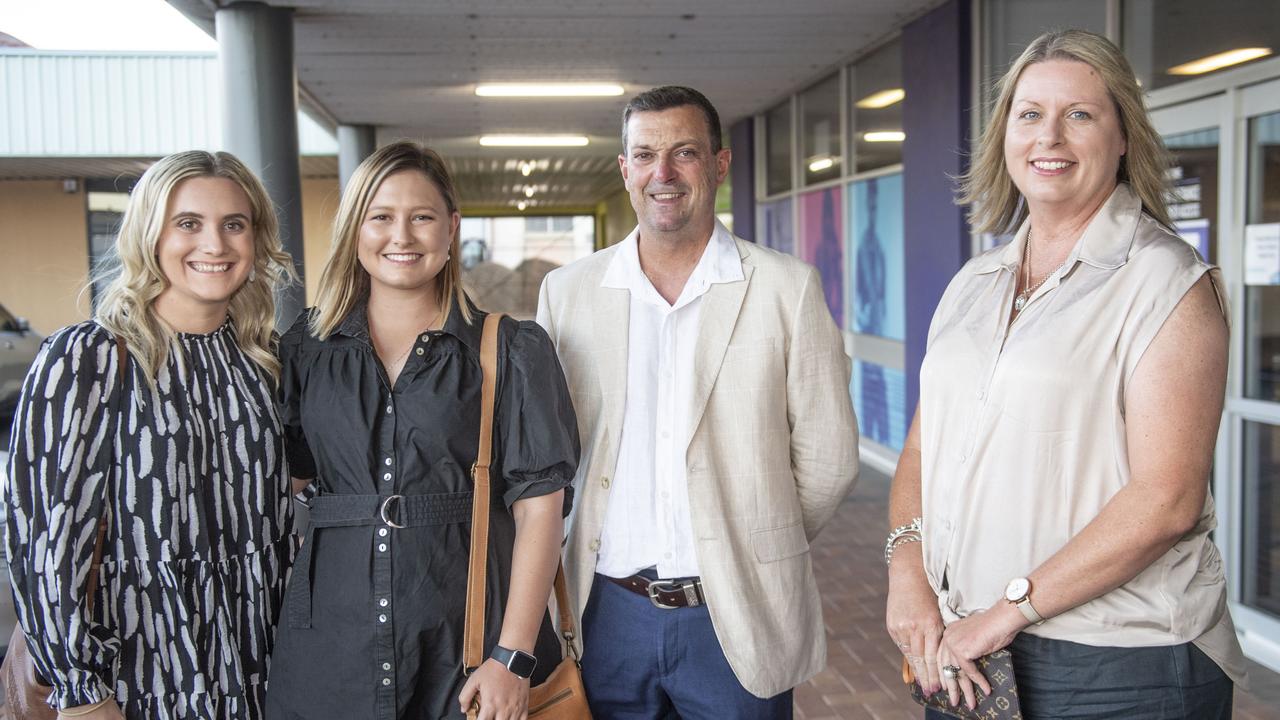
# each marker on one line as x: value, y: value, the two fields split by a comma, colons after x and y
x: 1018, y: 588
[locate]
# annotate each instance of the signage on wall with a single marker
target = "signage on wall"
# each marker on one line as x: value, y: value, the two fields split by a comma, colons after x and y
x: 1262, y: 254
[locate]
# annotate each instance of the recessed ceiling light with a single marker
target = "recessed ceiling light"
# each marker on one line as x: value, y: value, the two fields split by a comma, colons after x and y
x: 882, y: 99
x: 526, y: 168
x: 884, y: 136
x: 522, y: 205
x: 549, y: 90
x: 1219, y: 61
x: 529, y: 190
x: 534, y: 140
x: 822, y: 164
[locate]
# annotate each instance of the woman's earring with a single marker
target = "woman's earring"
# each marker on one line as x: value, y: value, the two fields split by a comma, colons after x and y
x: 253, y: 274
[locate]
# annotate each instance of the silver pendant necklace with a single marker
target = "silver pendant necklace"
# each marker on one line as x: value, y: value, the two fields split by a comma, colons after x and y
x: 1023, y: 297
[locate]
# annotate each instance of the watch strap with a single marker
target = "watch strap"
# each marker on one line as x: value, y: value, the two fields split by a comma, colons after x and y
x: 520, y: 663
x: 1029, y: 612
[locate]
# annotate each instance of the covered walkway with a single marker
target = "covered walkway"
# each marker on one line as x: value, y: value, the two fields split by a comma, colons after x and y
x: 862, y: 679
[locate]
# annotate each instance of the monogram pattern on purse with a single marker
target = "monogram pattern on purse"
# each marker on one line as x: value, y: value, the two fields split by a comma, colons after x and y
x: 1001, y: 704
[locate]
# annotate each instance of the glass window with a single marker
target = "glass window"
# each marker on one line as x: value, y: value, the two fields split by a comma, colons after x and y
x: 106, y: 200
x: 1193, y: 202
x: 1011, y: 25
x: 777, y: 125
x: 875, y: 111
x: 820, y: 131
x: 1171, y: 41
x: 505, y: 258
x: 1262, y: 302
x: 1261, y: 508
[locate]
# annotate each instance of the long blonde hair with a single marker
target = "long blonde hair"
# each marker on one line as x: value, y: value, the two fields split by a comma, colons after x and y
x: 127, y: 305
x: 344, y: 281
x: 995, y: 202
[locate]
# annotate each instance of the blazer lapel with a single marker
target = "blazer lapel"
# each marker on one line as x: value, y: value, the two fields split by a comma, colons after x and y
x: 719, y: 315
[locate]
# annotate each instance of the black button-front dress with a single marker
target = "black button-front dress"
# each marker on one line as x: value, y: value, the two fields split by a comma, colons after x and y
x: 373, y: 617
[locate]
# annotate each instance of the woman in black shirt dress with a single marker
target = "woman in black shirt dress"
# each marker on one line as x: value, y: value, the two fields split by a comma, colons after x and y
x: 381, y: 403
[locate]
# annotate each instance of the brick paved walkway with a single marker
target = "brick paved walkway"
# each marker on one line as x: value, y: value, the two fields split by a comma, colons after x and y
x: 862, y: 678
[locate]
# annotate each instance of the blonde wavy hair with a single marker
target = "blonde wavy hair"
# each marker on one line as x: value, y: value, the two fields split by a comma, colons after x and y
x: 995, y: 202
x: 127, y: 305
x: 344, y: 281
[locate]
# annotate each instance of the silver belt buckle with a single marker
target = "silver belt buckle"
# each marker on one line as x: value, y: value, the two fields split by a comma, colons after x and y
x: 689, y: 588
x: 386, y: 505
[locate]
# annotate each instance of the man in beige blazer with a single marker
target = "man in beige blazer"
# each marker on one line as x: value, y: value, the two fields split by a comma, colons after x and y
x: 711, y: 388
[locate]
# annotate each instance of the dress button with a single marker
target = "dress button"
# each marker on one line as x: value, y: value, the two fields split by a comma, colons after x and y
x: 420, y: 351
x: 386, y: 666
x: 382, y: 532
x: 387, y: 477
x: 387, y: 462
x: 595, y: 545
x: 604, y: 482
x: 425, y: 338
x: 386, y: 681
x: 382, y: 547
x: 383, y: 602
x: 382, y: 618
x: 388, y: 409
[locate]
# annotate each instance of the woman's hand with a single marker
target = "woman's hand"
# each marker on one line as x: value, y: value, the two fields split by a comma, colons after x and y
x: 109, y: 710
x: 914, y: 622
x: 502, y: 694
x: 966, y: 640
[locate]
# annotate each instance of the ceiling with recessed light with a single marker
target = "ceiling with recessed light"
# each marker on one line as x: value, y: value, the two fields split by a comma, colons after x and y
x: 411, y: 68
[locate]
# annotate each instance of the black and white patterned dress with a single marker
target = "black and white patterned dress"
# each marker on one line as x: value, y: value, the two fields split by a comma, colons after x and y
x: 199, y: 525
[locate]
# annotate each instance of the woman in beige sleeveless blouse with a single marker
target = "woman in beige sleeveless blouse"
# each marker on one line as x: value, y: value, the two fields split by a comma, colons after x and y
x: 1056, y: 472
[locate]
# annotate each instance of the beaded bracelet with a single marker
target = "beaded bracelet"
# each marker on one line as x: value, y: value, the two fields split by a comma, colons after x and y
x: 902, y: 535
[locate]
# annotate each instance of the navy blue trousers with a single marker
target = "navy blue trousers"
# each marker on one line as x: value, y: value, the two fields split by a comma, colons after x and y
x: 640, y: 662
x: 1061, y: 679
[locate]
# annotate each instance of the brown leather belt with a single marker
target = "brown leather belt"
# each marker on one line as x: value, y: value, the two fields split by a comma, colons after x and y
x: 665, y: 594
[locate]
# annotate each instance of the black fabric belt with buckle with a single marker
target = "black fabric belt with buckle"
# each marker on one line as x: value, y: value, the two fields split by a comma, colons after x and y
x: 665, y: 594
x: 391, y: 511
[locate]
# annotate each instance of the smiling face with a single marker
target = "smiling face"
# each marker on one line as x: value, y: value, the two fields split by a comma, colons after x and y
x: 1063, y: 140
x: 206, y: 248
x: 671, y: 172
x: 405, y: 235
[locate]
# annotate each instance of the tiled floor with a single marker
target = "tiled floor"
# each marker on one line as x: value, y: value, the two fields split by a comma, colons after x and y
x: 862, y: 678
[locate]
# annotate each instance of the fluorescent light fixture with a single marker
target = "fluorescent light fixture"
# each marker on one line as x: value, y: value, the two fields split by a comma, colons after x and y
x: 1219, y: 61
x: 549, y: 90
x: 882, y: 99
x: 884, y: 136
x: 822, y: 164
x: 533, y: 140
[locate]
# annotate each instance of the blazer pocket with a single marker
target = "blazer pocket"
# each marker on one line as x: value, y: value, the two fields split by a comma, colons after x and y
x: 779, y: 543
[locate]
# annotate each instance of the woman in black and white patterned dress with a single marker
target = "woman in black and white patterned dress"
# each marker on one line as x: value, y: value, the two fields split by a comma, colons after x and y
x: 181, y: 460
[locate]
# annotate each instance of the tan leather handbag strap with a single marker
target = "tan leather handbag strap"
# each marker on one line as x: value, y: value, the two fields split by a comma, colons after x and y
x: 473, y: 626
x: 91, y: 586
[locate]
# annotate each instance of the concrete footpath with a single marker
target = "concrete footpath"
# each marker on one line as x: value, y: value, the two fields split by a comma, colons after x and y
x: 863, y: 676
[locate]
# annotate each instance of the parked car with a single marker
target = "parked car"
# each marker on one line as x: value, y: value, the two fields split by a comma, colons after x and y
x: 18, y: 347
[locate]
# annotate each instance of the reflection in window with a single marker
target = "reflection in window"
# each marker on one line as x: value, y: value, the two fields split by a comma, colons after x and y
x: 1211, y: 36
x: 1193, y: 200
x: 106, y: 200
x: 777, y: 140
x: 1261, y: 510
x: 505, y: 258
x: 820, y: 125
x: 1262, y: 302
x: 875, y: 112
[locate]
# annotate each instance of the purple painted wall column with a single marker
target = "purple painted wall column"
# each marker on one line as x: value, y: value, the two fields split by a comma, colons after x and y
x: 936, y: 114
x: 742, y: 175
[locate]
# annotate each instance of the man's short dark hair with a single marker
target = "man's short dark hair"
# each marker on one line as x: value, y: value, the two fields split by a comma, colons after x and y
x: 674, y: 96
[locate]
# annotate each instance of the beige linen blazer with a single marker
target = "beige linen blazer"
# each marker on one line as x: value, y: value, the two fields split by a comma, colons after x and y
x: 773, y: 447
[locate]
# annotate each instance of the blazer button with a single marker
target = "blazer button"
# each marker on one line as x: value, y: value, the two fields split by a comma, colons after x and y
x: 604, y: 482
x: 595, y: 545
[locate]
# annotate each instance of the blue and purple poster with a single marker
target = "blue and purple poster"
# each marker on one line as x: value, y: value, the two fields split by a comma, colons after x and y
x: 879, y: 399
x: 775, y: 226
x: 876, y: 262
x: 822, y: 243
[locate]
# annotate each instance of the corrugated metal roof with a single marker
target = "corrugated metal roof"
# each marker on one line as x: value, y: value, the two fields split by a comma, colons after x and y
x: 117, y: 104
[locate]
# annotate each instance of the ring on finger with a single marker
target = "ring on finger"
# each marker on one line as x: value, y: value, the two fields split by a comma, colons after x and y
x: 951, y: 672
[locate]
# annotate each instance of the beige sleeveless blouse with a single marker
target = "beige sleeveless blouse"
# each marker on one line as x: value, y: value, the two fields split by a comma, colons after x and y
x: 1023, y: 432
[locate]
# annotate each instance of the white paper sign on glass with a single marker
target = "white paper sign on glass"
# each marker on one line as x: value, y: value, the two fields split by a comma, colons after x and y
x: 1262, y: 254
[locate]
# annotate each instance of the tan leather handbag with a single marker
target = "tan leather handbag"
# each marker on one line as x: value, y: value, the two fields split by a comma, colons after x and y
x: 561, y: 697
x: 25, y: 692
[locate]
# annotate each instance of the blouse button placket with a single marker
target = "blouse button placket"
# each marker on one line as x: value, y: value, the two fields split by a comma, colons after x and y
x: 383, y: 545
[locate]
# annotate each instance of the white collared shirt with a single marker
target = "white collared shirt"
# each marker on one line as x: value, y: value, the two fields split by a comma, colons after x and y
x: 647, y: 521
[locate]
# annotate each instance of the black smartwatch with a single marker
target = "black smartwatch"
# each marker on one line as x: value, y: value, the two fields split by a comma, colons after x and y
x: 518, y: 662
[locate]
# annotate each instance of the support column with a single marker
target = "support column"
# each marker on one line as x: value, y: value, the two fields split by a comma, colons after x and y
x: 260, y: 118
x: 355, y: 143
x: 742, y: 171
x: 935, y: 117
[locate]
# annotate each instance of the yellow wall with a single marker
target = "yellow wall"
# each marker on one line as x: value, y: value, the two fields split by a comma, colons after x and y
x: 619, y: 218
x: 320, y: 198
x: 44, y: 253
